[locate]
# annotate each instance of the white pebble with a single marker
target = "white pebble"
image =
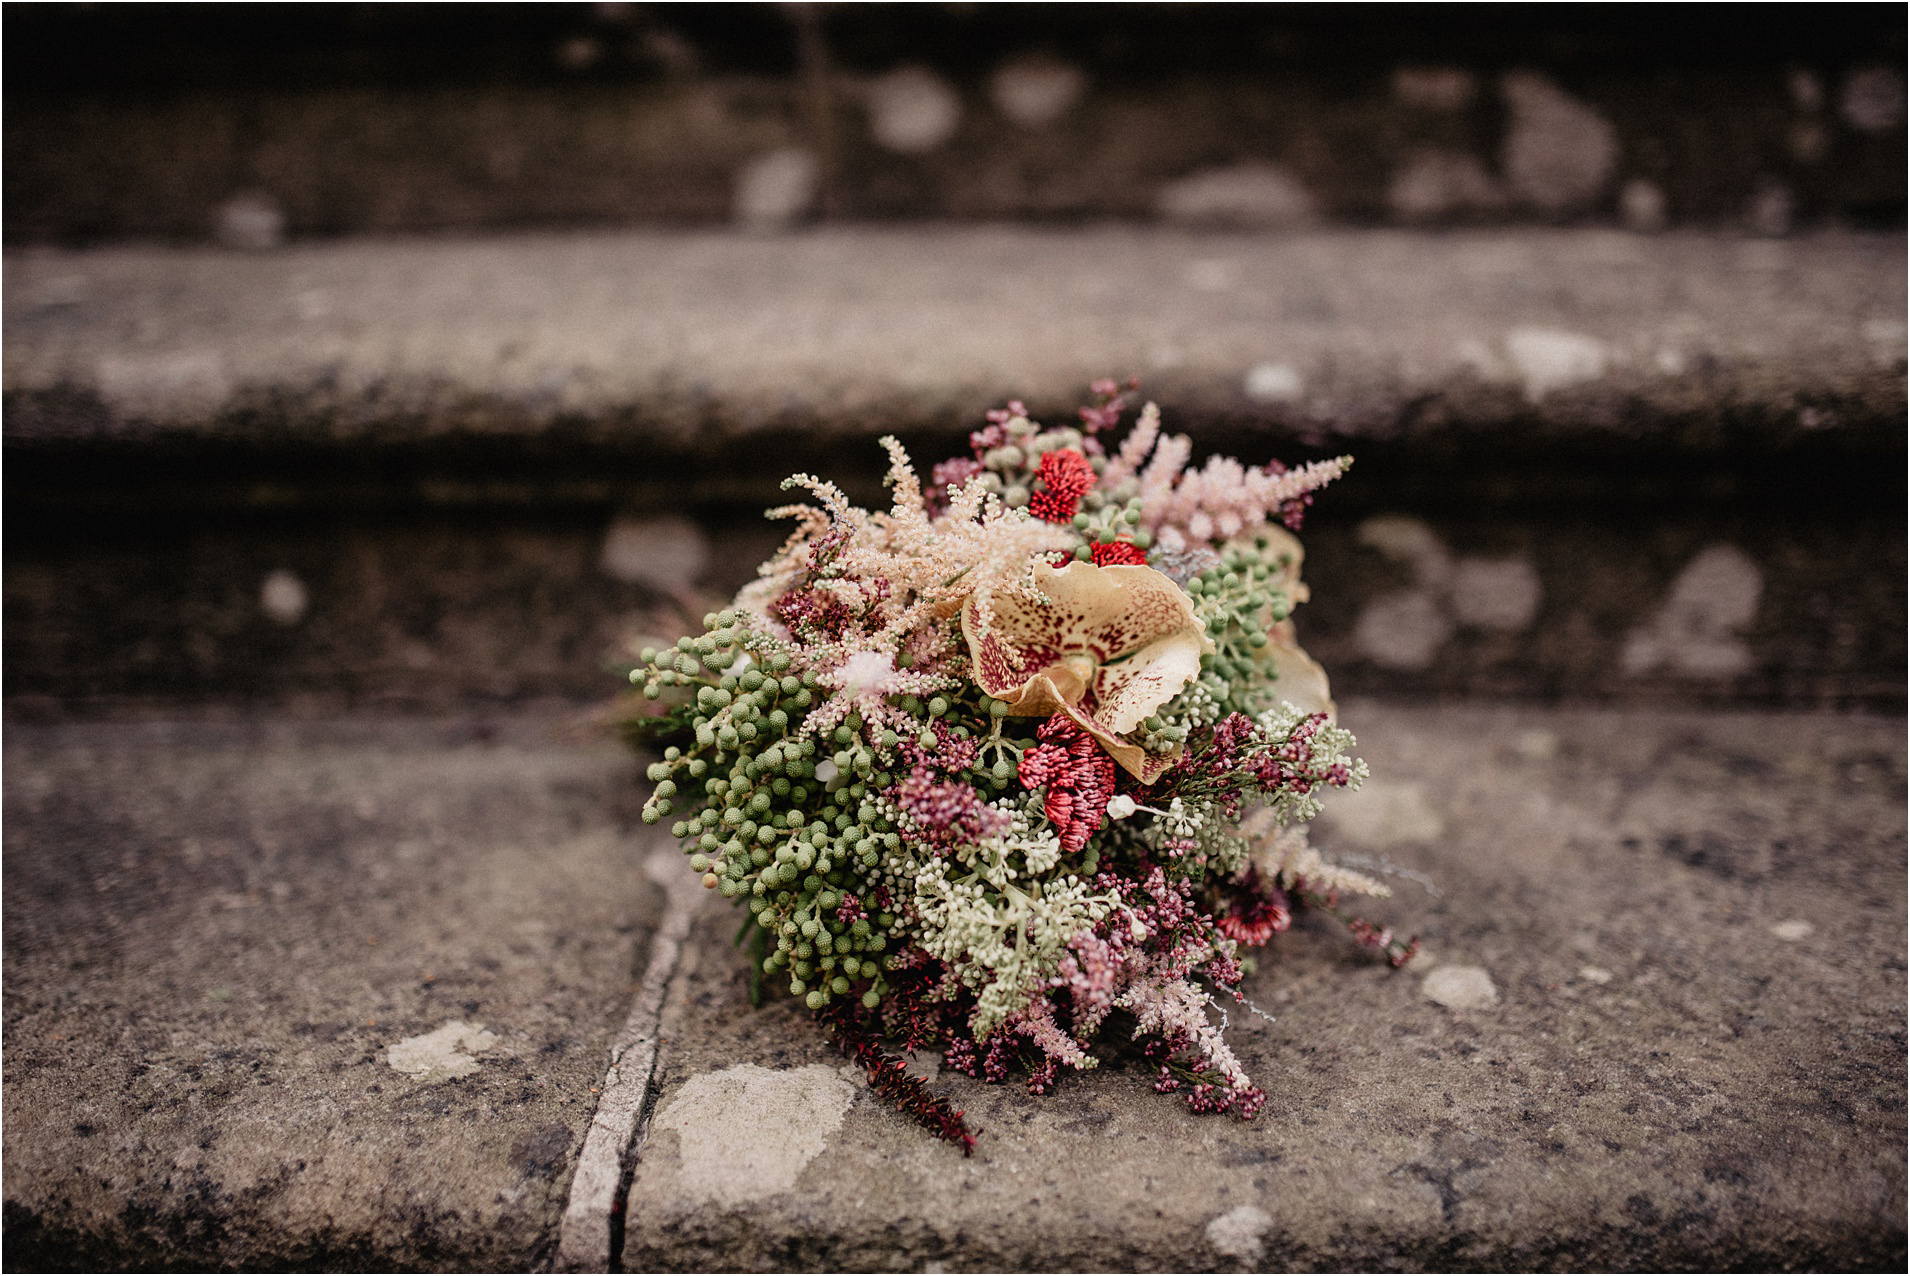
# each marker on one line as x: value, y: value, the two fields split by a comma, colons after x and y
x: 1238, y: 1233
x: 1642, y: 206
x: 913, y: 110
x: 774, y: 190
x: 1460, y: 988
x: 667, y: 554
x: 1696, y: 630
x: 1260, y: 196
x: 1536, y: 745
x: 250, y: 220
x: 1770, y: 210
x: 283, y: 597
x: 1210, y: 275
x: 1595, y: 974
x: 443, y: 1055
x: 1383, y: 814
x: 1034, y: 91
x: 1402, y: 630
x: 1872, y: 101
x: 1559, y: 152
x: 1550, y: 359
x: 1434, y: 88
x: 1439, y: 183
x: 1496, y: 593
x: 1793, y: 930
x: 1273, y: 383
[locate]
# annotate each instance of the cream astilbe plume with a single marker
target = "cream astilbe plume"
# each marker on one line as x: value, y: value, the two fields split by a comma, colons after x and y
x: 1284, y: 855
x: 928, y: 566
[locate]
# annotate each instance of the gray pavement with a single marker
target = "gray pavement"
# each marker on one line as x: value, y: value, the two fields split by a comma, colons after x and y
x: 216, y: 932
x: 695, y: 337
x: 1691, y: 1054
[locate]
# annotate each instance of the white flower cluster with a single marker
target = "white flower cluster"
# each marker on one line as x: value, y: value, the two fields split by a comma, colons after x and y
x: 1330, y: 746
x: 997, y: 938
x: 1197, y: 705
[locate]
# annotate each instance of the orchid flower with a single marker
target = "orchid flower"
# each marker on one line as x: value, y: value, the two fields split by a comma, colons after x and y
x: 1107, y: 646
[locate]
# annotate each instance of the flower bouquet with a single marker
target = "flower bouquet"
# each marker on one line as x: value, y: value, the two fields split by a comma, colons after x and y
x: 1026, y: 759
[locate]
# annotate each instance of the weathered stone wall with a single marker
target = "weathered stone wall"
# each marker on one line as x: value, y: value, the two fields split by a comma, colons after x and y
x: 120, y: 126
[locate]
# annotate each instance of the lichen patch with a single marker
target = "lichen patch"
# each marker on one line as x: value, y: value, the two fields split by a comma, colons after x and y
x: 792, y: 1115
x: 443, y: 1055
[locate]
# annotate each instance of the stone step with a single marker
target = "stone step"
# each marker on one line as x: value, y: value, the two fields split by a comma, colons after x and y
x: 124, y: 124
x: 1658, y: 1022
x: 1591, y: 465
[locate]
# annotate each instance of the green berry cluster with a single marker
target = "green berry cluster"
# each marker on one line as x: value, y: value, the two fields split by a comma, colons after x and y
x: 788, y: 817
x: 1104, y: 522
x: 1238, y: 598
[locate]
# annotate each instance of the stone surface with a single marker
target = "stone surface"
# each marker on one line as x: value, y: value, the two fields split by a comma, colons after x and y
x: 228, y: 943
x: 682, y: 340
x: 1693, y: 922
x: 142, y: 125
x: 1661, y: 1082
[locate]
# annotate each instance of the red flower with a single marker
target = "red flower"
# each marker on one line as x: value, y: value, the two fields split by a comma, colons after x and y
x: 1067, y: 476
x: 1079, y: 778
x: 1117, y: 554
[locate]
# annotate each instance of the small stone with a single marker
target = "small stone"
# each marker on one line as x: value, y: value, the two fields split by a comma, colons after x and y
x: 1460, y: 988
x: 1238, y: 1233
x: 775, y: 190
x: 912, y: 110
x: 1872, y: 100
x: 579, y: 53
x: 1642, y: 207
x: 1809, y: 141
x: 1807, y: 89
x: 1436, y: 184
x: 1793, y: 930
x: 1549, y: 359
x: 1496, y: 593
x: 1273, y: 383
x: 1595, y: 974
x: 283, y: 598
x: 1210, y: 275
x: 666, y: 554
x: 250, y: 220
x: 1409, y: 540
x: 1559, y: 152
x: 1695, y: 632
x: 1402, y: 630
x: 1254, y: 195
x: 1035, y: 91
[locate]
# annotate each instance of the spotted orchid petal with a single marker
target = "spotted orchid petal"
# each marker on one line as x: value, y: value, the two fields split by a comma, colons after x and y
x: 1105, y: 645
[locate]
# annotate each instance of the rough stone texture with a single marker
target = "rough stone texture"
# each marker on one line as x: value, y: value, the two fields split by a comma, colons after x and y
x: 216, y: 930
x: 439, y: 607
x: 356, y: 158
x: 687, y: 339
x: 1675, y: 1074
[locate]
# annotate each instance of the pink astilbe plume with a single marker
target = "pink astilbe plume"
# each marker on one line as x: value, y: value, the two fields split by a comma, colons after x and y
x: 1219, y: 501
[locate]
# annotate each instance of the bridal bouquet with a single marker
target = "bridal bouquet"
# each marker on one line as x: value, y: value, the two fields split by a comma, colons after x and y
x: 1024, y: 760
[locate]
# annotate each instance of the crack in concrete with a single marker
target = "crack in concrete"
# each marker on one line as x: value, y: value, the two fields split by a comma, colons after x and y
x: 586, y: 1237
